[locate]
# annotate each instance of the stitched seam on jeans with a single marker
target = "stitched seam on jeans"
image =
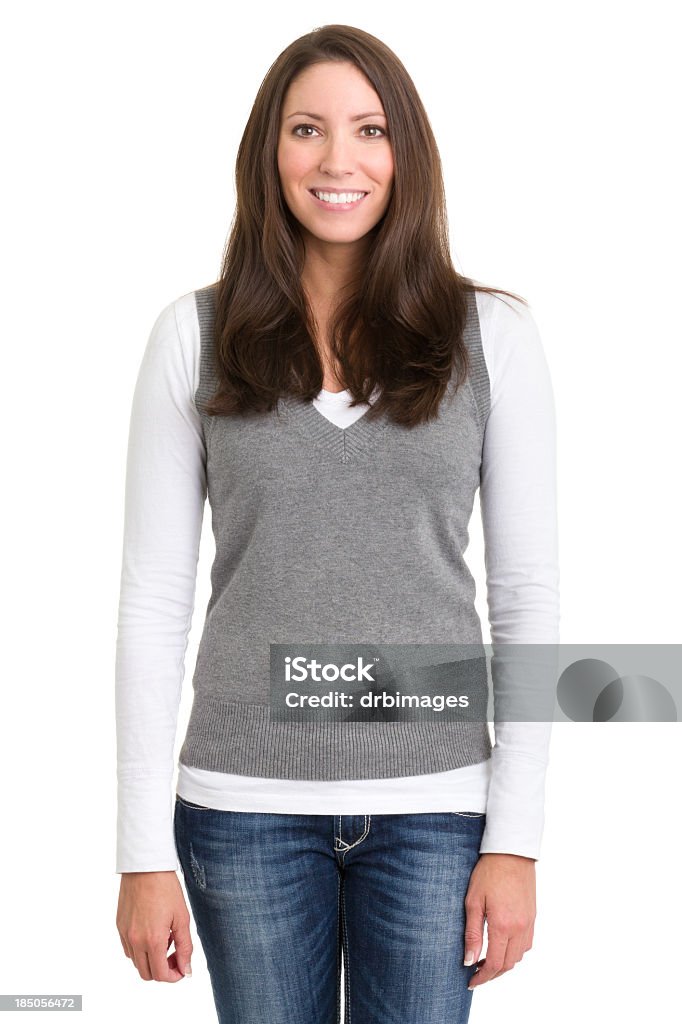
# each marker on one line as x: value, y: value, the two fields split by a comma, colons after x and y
x: 345, y: 943
x: 193, y: 806
x: 338, y: 948
x: 349, y: 846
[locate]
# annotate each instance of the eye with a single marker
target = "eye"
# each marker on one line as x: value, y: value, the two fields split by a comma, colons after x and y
x: 295, y: 130
x: 374, y: 128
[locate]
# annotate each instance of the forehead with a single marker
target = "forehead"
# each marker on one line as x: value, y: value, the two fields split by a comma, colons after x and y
x: 333, y: 88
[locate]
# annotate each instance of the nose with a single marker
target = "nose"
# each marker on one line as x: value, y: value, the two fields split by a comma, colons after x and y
x: 337, y: 157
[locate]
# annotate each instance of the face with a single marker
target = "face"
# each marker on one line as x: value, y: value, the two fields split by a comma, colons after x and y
x: 334, y: 140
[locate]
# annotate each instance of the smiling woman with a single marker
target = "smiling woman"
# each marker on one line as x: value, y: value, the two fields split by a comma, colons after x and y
x: 336, y: 173
x: 377, y: 846
x: 319, y: 294
x: 331, y: 159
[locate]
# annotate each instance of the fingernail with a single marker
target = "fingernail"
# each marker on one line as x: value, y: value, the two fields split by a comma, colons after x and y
x: 471, y: 988
x: 469, y: 959
x: 188, y: 970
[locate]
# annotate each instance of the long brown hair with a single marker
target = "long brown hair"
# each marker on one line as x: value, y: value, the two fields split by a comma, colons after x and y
x: 400, y: 324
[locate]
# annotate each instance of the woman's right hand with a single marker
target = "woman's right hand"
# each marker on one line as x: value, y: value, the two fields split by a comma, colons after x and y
x: 151, y: 914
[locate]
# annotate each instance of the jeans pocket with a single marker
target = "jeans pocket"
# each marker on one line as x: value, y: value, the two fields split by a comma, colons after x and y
x: 193, y: 807
x: 470, y: 814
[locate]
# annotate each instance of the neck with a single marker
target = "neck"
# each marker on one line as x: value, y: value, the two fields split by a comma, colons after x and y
x: 330, y: 268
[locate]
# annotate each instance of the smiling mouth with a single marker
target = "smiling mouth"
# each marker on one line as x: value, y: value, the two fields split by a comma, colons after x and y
x: 337, y: 200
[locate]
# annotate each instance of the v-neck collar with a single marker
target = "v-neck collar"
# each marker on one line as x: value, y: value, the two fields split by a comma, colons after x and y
x: 342, y: 443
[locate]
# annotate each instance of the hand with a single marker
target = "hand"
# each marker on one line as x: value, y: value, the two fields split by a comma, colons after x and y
x: 501, y: 888
x: 151, y: 914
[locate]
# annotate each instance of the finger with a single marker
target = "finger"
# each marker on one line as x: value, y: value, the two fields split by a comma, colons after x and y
x: 158, y: 962
x: 514, y: 952
x: 174, y: 972
x: 145, y: 957
x: 473, y: 933
x: 493, y: 962
x: 139, y: 958
x: 183, y: 943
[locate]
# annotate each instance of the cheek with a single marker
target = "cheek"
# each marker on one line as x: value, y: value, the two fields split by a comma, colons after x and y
x: 382, y: 169
x: 388, y: 169
x: 292, y: 165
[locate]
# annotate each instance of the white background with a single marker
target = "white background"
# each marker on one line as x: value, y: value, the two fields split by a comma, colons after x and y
x: 557, y: 126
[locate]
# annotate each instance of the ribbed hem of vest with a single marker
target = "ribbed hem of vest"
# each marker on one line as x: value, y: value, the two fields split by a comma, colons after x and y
x: 240, y: 739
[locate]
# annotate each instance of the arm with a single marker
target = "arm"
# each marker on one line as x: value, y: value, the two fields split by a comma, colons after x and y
x: 164, y: 503
x: 519, y: 516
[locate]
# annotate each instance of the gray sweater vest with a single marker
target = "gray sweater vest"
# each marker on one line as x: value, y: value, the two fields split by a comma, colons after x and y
x: 332, y: 535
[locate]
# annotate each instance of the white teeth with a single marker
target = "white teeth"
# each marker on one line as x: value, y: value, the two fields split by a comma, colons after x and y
x: 342, y: 197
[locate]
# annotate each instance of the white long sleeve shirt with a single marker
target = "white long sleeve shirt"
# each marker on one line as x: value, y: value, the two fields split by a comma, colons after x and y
x: 165, y: 497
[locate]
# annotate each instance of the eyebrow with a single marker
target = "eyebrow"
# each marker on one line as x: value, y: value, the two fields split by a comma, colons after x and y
x: 318, y: 117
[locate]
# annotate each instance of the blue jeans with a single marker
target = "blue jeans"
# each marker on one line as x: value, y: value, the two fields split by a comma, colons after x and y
x: 277, y: 899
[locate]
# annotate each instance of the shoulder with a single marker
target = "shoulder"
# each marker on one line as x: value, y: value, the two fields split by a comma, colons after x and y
x: 509, y: 335
x: 185, y: 309
x: 178, y: 325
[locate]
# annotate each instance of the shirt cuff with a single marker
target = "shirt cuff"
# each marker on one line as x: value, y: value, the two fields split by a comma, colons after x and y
x: 145, y: 836
x: 515, y: 807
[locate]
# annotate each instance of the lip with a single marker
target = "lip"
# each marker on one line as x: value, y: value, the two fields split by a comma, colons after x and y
x: 337, y: 207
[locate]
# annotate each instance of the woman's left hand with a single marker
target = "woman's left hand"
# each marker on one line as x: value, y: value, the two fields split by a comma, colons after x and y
x: 501, y: 889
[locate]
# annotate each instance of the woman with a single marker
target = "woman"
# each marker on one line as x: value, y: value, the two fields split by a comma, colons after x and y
x: 340, y: 393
